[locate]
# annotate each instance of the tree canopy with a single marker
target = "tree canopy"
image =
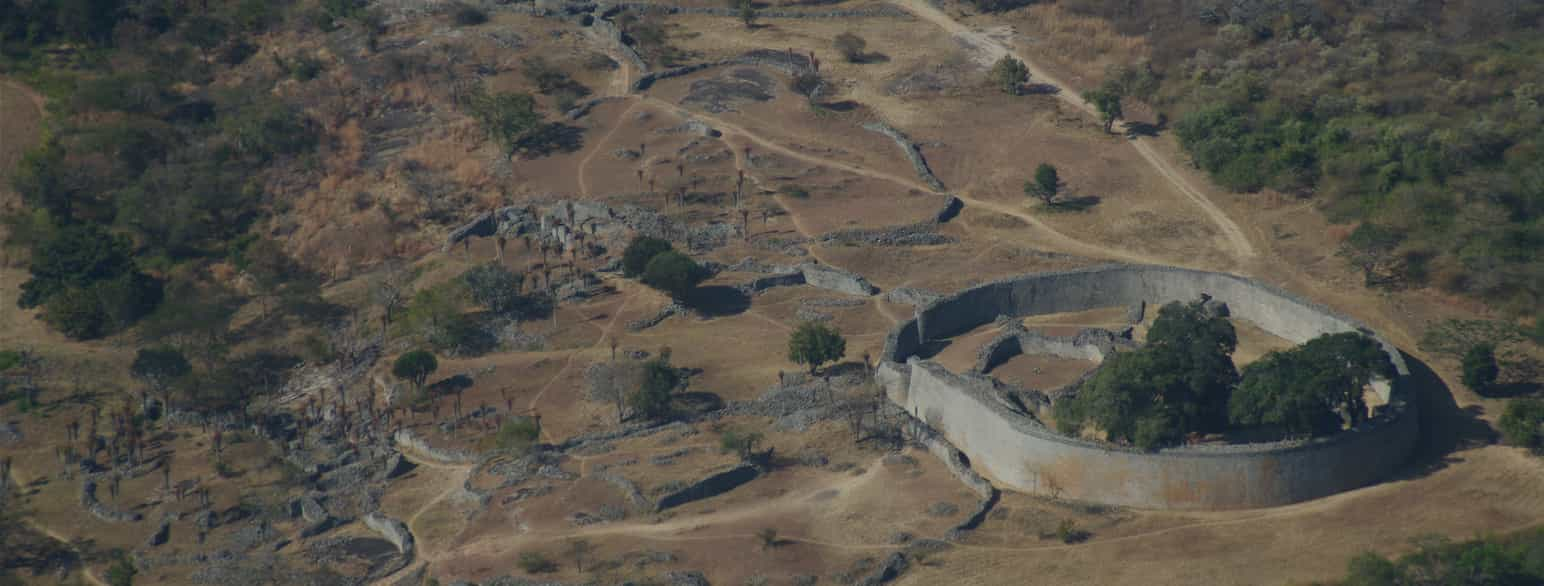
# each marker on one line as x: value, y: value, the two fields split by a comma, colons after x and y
x: 415, y: 367
x: 1313, y: 389
x: 652, y: 399
x: 1480, y: 368
x: 1009, y: 75
x: 814, y: 343
x: 673, y: 273
x: 508, y: 118
x: 1046, y: 185
x: 1178, y: 384
x: 636, y: 257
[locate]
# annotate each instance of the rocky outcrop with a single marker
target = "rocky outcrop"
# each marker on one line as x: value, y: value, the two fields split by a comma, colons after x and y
x: 827, y: 277
x: 779, y: 280
x: 392, y: 530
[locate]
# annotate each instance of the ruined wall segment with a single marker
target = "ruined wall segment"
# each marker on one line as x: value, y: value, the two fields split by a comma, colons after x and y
x: 1021, y: 453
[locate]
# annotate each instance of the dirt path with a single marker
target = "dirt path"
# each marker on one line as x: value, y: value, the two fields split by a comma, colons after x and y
x: 584, y: 186
x: 1238, y: 244
x: 606, y: 334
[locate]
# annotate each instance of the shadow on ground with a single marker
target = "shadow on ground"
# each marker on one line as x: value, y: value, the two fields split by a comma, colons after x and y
x: 718, y: 301
x: 1447, y: 430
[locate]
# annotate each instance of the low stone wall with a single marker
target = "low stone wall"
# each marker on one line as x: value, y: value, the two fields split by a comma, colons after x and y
x: 88, y: 501
x: 1021, y: 453
x: 913, y: 153
x: 827, y: 277
x: 877, y: 12
x: 392, y: 530
x: 406, y: 437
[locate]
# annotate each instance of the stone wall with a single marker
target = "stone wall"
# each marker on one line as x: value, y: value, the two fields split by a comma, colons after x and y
x: 88, y: 501
x: 1021, y: 453
x: 913, y: 154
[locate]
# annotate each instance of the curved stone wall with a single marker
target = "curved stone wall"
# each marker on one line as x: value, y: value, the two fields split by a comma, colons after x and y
x: 1018, y: 451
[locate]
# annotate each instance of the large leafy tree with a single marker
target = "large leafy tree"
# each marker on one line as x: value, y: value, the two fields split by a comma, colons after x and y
x: 673, y: 273
x: 1313, y: 388
x: 652, y: 399
x: 1046, y: 185
x: 814, y: 343
x: 415, y: 367
x: 159, y: 368
x: 508, y: 118
x: 636, y: 257
x: 1178, y: 384
x: 1009, y: 75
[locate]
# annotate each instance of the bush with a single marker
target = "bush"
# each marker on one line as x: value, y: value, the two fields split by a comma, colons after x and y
x: 467, y: 15
x: 536, y: 563
x: 851, y: 46
x: 741, y: 443
x: 639, y: 252
x: 1522, y: 424
x: 1009, y: 75
x: 1480, y: 369
x: 121, y: 572
x: 673, y: 273
x: 517, y: 434
x: 652, y: 399
x: 508, y: 118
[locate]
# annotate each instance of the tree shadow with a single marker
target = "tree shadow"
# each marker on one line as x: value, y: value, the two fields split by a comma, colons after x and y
x: 1135, y: 129
x: 1041, y: 89
x: 718, y: 301
x: 1080, y: 203
x: 868, y: 58
x: 1445, y: 428
x: 842, y: 106
x: 553, y: 138
x: 696, y: 403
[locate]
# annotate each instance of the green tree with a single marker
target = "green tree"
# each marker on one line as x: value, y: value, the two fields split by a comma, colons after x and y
x: 159, y: 368
x: 1314, y: 388
x: 814, y: 344
x: 121, y: 572
x: 496, y: 288
x: 1108, y: 101
x: 508, y: 118
x: 415, y: 367
x: 652, y: 399
x: 1179, y: 383
x: 673, y: 273
x: 1046, y: 185
x: 741, y: 443
x: 204, y: 32
x: 1522, y: 424
x: 636, y: 257
x: 1480, y: 369
x: 1009, y: 75
x: 517, y: 434
x: 851, y: 46
x: 76, y: 257
x: 745, y: 10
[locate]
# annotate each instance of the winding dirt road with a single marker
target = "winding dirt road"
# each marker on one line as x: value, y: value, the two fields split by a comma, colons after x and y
x: 1238, y: 243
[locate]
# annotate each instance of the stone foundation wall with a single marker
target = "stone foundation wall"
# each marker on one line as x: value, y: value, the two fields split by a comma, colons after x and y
x: 1023, y: 454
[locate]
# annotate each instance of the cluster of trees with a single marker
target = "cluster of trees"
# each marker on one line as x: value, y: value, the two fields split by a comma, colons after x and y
x: 1516, y: 560
x: 137, y: 179
x: 637, y: 388
x: 657, y: 264
x: 1183, y: 382
x: 1418, y: 121
x: 437, y: 317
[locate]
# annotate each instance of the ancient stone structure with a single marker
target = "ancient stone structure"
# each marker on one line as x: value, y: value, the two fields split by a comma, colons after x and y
x: 1020, y: 452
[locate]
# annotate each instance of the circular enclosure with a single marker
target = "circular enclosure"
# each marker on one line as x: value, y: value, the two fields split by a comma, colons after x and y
x: 1017, y: 451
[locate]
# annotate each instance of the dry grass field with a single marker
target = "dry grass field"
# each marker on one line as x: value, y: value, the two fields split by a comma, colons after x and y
x: 839, y: 516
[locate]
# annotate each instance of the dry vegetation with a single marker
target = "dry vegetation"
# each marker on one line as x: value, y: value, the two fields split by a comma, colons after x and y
x: 400, y: 163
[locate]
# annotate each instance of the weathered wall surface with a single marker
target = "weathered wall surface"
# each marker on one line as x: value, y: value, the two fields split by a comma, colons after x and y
x: 1021, y: 453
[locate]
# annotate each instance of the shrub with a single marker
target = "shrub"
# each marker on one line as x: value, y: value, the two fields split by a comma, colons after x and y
x: 636, y: 257
x: 741, y: 443
x: 507, y: 118
x: 121, y: 572
x: 851, y: 46
x: 652, y: 399
x: 517, y: 434
x: 468, y: 15
x: 1009, y: 75
x: 1522, y: 424
x: 536, y: 563
x: 1480, y: 369
x: 814, y: 344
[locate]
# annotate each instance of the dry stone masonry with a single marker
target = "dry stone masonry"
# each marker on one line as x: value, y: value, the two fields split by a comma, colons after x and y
x: 1021, y: 453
